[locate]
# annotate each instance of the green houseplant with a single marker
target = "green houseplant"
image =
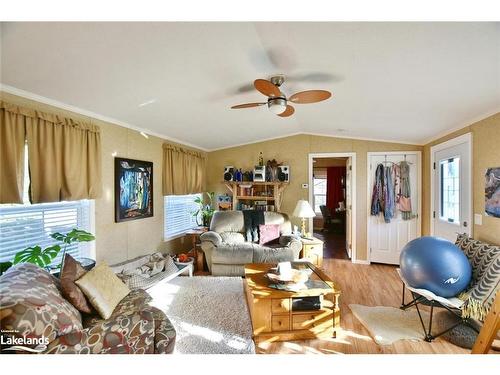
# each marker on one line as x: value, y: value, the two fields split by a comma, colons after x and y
x: 43, y: 258
x: 205, y: 210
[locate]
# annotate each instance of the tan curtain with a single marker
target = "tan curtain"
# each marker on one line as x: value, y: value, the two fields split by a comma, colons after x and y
x: 12, y: 142
x: 183, y: 171
x: 64, y: 157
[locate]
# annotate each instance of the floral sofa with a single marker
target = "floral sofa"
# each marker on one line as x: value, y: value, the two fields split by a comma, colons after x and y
x: 31, y: 305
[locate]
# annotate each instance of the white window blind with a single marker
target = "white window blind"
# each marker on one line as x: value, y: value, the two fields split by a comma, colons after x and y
x: 23, y: 226
x: 179, y: 217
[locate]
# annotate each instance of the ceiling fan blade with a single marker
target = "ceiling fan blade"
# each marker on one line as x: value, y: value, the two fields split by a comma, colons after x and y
x: 247, y: 105
x: 267, y: 88
x: 310, y: 96
x: 288, y: 111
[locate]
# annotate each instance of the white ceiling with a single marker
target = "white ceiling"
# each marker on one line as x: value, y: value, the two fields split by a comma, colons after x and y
x: 405, y: 82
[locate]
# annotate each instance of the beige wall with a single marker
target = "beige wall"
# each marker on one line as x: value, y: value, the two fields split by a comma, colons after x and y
x: 294, y: 151
x: 485, y: 154
x: 116, y: 242
x: 119, y: 241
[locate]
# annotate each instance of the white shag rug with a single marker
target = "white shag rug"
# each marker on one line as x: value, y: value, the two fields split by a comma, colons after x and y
x: 210, y: 314
x: 389, y: 324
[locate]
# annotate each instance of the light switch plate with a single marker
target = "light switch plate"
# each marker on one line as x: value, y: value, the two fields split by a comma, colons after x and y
x: 478, y: 219
x: 305, y: 186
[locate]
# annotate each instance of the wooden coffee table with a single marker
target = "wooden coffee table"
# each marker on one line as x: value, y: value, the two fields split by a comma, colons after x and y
x: 275, y: 316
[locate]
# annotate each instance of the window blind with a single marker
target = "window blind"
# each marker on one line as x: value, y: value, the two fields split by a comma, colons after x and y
x: 179, y: 217
x: 23, y: 226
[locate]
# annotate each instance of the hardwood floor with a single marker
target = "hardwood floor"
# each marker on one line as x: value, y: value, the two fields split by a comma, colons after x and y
x: 334, y: 244
x: 371, y: 285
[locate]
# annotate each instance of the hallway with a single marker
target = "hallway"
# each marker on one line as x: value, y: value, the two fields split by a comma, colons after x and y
x: 334, y: 245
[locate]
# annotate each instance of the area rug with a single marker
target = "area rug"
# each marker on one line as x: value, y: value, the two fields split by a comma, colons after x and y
x: 389, y: 324
x: 210, y: 314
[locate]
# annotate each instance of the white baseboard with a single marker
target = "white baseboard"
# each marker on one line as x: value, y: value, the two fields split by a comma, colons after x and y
x: 361, y: 261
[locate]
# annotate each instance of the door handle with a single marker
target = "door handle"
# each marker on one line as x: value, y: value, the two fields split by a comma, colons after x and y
x: 465, y: 224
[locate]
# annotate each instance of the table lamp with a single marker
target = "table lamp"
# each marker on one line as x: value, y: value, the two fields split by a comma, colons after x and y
x: 304, y: 211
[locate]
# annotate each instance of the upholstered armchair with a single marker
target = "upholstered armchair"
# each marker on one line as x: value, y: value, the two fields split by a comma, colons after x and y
x: 227, y: 250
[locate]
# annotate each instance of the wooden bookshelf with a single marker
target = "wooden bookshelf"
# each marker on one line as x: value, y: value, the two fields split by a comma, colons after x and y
x: 250, y: 192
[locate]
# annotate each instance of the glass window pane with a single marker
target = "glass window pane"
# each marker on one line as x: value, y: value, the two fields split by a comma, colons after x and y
x: 450, y: 190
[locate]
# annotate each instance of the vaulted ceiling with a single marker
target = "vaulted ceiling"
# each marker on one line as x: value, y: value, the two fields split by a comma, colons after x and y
x: 404, y: 82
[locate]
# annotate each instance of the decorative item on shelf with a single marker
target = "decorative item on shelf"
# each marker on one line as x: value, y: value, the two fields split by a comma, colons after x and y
x: 204, y: 211
x: 133, y: 189
x: 261, y: 160
x: 247, y: 176
x: 228, y: 173
x: 272, y: 170
x: 224, y: 202
x: 238, y: 175
x: 259, y: 173
x: 283, y: 173
x: 303, y: 210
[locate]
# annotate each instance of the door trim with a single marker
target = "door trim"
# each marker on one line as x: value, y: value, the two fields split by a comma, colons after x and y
x: 464, y: 138
x: 369, y: 190
x: 351, y: 155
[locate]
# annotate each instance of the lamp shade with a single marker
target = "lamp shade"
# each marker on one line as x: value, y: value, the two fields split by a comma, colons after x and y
x: 303, y: 210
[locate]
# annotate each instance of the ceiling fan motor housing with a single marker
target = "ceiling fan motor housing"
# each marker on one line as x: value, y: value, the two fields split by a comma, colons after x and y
x: 276, y: 105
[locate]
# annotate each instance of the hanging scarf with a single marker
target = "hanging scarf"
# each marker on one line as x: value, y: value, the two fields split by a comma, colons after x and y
x: 388, y: 189
x: 405, y: 192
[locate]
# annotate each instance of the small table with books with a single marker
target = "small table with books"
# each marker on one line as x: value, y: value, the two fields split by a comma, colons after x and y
x: 283, y: 312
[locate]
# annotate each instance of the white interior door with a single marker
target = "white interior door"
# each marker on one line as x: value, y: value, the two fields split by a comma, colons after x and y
x: 348, y: 208
x: 452, y: 198
x: 385, y: 240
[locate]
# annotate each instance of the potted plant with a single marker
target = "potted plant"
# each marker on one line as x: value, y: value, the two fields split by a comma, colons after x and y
x: 43, y: 258
x: 205, y: 210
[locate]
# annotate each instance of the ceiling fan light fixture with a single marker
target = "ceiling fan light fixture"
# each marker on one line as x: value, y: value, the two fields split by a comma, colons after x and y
x: 277, y: 105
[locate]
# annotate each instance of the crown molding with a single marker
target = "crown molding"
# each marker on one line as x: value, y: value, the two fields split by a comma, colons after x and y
x: 68, y: 107
x: 55, y: 103
x: 462, y: 126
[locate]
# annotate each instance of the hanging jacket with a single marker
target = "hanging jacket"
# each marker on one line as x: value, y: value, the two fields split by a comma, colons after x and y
x: 377, y: 194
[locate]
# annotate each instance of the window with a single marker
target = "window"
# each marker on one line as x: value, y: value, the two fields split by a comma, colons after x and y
x: 26, y: 225
x: 450, y: 190
x: 319, y: 193
x: 179, y: 217
x: 22, y: 226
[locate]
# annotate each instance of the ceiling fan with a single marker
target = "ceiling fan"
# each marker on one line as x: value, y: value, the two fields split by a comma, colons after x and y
x: 277, y: 102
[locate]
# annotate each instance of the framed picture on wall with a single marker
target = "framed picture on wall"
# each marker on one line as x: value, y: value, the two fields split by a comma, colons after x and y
x: 133, y: 189
x: 492, y: 192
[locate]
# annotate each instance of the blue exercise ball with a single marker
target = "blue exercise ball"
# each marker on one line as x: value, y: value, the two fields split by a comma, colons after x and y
x: 435, y: 264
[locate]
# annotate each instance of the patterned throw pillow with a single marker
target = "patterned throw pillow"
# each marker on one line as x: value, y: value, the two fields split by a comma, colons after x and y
x: 31, y: 304
x: 103, y: 289
x: 485, y: 261
x: 72, y: 271
x: 269, y: 234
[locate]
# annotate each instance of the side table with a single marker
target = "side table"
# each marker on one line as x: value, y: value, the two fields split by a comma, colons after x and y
x: 312, y: 250
x: 195, y: 234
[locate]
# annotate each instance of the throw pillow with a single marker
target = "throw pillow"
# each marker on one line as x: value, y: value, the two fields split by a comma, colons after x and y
x: 72, y: 271
x: 269, y: 234
x: 103, y: 289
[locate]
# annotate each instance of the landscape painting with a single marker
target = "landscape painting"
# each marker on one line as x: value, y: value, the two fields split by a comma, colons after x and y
x: 133, y: 189
x: 492, y: 192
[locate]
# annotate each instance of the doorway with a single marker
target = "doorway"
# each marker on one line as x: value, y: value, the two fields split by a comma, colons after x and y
x: 331, y: 177
x: 451, y: 193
